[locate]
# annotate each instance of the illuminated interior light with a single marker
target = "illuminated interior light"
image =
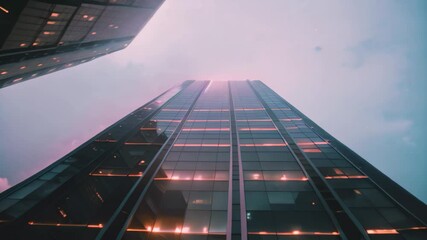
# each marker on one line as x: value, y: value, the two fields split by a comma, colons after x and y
x: 99, y: 197
x: 100, y: 174
x: 201, y: 145
x: 160, y: 120
x: 198, y: 178
x: 200, y: 120
x: 255, y: 176
x: 51, y: 22
x: 142, y: 162
x: 4, y: 9
x: 254, y: 120
x: 185, y: 229
x: 142, y: 144
x: 91, y: 18
x: 305, y: 144
x: 106, y: 140
x: 95, y: 225
x: 414, y: 228
x: 309, y: 150
x: 177, y: 230
x: 338, y: 171
x: 54, y: 14
x: 205, y: 229
x: 296, y: 232
x: 63, y: 213
x: 357, y: 192
x: 290, y: 119
x: 93, y: 33
x: 382, y: 231
x: 139, y: 174
x: 100, y: 225
x: 361, y: 176
x: 263, y: 144
x: 284, y: 177
x: 336, y: 177
x: 35, y: 44
x: 23, y: 67
x: 204, y: 129
x: 40, y: 64
x: 33, y: 75
x: 249, y: 109
x: 321, y: 143
x: 23, y: 45
x: 3, y: 73
x: 211, y: 110
x: 257, y: 129
x: 156, y: 229
x: 173, y: 110
x: 17, y: 80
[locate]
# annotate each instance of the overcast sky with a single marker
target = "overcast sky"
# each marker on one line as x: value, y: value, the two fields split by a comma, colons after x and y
x: 357, y: 68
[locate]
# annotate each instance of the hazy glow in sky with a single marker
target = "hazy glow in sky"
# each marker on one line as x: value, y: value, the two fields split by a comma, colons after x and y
x: 357, y: 68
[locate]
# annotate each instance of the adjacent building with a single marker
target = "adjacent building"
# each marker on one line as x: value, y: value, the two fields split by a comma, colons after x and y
x: 212, y: 160
x: 43, y: 36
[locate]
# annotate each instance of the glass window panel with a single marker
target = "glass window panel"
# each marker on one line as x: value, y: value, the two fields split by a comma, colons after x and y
x: 176, y: 185
x: 260, y: 221
x: 397, y: 218
x: 204, y: 175
x: 202, y: 185
x: 280, y: 166
x: 306, y: 221
x: 287, y: 186
x: 280, y: 198
x: 377, y: 198
x: 253, y: 175
x: 218, y: 222
x: 251, y: 166
x: 196, y: 221
x: 183, y: 175
x: 219, y: 201
x: 221, y: 175
x: 185, y: 166
x: 254, y: 186
x: 221, y: 186
x: 205, y: 166
x: 200, y: 200
x: 370, y: 218
x: 257, y: 201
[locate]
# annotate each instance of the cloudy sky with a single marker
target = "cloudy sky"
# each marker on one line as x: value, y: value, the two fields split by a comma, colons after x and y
x: 357, y: 68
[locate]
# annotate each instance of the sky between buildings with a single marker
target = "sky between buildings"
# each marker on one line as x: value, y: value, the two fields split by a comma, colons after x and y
x: 357, y: 68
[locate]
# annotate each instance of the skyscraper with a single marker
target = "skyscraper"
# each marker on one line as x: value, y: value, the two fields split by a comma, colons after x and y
x: 212, y: 160
x: 42, y: 36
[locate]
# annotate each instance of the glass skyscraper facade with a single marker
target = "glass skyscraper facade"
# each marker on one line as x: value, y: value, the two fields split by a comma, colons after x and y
x: 212, y: 160
x: 38, y: 37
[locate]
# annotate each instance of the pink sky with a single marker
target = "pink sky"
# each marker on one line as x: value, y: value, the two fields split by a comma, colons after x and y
x: 355, y: 68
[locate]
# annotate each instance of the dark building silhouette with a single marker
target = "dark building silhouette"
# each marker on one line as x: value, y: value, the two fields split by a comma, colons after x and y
x: 212, y: 160
x: 42, y: 36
